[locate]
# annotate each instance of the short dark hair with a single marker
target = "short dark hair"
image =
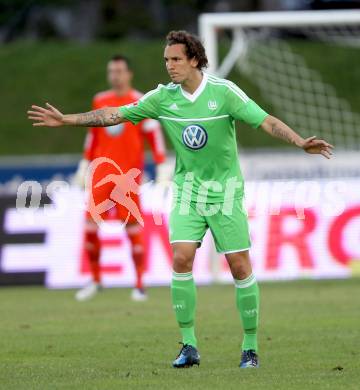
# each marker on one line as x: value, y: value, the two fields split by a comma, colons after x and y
x: 193, y: 46
x: 120, y: 57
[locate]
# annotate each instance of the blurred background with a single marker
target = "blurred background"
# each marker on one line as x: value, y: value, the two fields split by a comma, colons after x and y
x: 308, y: 75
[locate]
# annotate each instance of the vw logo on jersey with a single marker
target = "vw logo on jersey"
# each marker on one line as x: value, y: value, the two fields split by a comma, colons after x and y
x: 115, y: 130
x: 194, y: 136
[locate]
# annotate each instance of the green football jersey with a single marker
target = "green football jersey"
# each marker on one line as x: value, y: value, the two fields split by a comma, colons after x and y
x: 201, y: 127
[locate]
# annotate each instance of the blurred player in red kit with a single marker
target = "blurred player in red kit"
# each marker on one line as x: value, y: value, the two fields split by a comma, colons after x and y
x: 122, y: 144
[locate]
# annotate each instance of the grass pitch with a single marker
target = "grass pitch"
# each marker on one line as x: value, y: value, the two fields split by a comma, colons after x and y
x: 309, y: 339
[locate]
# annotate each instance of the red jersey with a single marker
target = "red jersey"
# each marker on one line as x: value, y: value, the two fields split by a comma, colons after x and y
x: 124, y: 143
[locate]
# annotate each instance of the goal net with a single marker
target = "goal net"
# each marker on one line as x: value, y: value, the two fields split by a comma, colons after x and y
x: 305, y: 64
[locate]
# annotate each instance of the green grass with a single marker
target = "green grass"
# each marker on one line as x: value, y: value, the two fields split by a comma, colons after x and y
x: 308, y: 331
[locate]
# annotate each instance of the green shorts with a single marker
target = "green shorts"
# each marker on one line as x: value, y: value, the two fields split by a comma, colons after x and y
x: 228, y: 224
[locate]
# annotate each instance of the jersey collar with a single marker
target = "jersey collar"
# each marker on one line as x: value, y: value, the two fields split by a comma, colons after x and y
x: 193, y: 96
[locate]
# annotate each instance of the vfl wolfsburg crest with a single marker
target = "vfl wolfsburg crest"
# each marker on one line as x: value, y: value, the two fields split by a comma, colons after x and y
x: 194, y: 137
x: 212, y: 105
x: 115, y: 130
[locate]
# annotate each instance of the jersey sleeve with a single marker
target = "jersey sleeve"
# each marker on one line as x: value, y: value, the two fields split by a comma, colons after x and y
x: 241, y: 107
x: 146, y: 107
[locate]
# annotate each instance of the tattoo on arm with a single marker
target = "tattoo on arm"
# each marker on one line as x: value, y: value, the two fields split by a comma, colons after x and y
x: 115, y: 117
x: 281, y: 133
x: 98, y: 118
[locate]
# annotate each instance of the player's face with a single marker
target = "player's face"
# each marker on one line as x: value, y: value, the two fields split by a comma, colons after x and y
x: 177, y: 64
x: 119, y: 75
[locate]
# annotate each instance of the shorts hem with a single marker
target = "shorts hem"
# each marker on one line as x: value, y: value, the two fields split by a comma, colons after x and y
x: 234, y: 251
x: 185, y: 241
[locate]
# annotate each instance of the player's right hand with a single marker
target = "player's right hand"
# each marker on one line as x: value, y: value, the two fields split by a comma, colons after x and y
x: 49, y: 116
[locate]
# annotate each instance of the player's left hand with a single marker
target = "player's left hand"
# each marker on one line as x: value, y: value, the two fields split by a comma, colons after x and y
x: 313, y: 145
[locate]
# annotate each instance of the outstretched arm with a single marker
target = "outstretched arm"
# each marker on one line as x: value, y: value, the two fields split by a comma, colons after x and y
x: 52, y: 117
x: 279, y: 129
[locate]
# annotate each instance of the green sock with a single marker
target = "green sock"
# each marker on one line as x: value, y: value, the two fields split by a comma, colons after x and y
x: 247, y: 302
x: 183, y: 295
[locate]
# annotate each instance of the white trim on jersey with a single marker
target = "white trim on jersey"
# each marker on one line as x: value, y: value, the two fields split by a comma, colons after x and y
x: 172, y: 86
x: 210, y: 118
x: 233, y: 87
x: 150, y: 93
x: 157, y: 89
x: 242, y: 96
x: 193, y: 96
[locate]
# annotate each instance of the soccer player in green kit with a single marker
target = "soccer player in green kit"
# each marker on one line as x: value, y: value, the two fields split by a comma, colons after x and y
x: 198, y: 111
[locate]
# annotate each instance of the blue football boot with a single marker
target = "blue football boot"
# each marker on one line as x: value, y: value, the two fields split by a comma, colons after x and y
x: 188, y: 356
x: 249, y: 359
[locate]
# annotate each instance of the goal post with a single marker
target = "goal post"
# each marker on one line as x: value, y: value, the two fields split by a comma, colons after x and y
x: 209, y: 23
x: 262, y: 49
